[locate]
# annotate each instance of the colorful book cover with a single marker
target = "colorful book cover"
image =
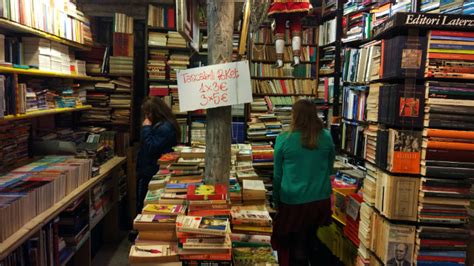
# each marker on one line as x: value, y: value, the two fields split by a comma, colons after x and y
x: 207, y: 192
x: 164, y: 209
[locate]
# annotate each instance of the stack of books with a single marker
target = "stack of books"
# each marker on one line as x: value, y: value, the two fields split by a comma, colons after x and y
x: 72, y: 227
x: 121, y: 65
x: 158, y: 90
x: 198, y: 132
x: 146, y: 254
x: 158, y: 222
x: 177, y: 62
x: 207, y: 200
x: 204, y: 238
x: 449, y: 105
x: 443, y: 198
x: 176, y: 40
x: 390, y: 238
x: 358, y: 27
x: 254, y: 256
x: 157, y: 39
x: 450, y: 55
x: 365, y: 233
x: 262, y: 152
x: 251, y: 226
x: 253, y: 192
x: 441, y: 245
x: 14, y: 143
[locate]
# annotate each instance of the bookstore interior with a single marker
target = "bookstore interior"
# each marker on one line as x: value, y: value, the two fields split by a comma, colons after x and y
x: 81, y: 126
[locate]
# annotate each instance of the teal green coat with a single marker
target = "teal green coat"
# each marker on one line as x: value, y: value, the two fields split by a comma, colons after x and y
x: 302, y: 175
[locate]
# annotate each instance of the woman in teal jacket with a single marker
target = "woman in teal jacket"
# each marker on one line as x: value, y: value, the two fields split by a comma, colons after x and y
x: 304, y: 158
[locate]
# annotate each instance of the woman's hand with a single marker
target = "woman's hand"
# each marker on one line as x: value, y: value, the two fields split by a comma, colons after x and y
x: 146, y: 122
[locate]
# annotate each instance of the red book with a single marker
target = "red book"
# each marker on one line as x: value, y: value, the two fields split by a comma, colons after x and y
x: 468, y: 57
x: 433, y: 242
x: 438, y: 258
x: 207, y: 192
x: 284, y: 90
x: 223, y: 256
x: 159, y: 92
x: 171, y: 17
x: 452, y: 33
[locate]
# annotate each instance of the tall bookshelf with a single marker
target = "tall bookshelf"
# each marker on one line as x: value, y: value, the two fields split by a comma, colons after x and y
x: 399, y: 193
x: 112, y: 59
x: 42, y: 95
x: 275, y: 90
x: 159, y: 52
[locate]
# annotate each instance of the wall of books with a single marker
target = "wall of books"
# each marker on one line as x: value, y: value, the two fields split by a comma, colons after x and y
x: 404, y: 127
x: 50, y: 165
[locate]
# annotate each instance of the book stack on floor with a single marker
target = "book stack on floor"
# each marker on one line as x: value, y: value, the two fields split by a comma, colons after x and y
x: 251, y: 226
x: 157, y: 223
x: 365, y: 257
x: 204, y: 239
x: 253, y: 192
x: 156, y: 242
x: 198, y: 132
x: 254, y: 256
x: 207, y: 200
x: 262, y: 153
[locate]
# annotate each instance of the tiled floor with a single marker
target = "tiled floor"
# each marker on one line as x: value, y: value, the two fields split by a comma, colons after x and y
x: 113, y: 254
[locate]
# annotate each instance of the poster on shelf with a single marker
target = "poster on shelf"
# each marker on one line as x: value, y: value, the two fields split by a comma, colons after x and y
x: 214, y: 86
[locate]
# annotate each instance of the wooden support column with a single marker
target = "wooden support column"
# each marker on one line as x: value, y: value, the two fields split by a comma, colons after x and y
x: 220, y: 28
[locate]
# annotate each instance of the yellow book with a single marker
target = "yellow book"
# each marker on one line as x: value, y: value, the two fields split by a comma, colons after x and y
x: 451, y: 51
x: 253, y: 228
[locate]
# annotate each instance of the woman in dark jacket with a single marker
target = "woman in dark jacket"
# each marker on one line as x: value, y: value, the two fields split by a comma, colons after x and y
x: 160, y: 133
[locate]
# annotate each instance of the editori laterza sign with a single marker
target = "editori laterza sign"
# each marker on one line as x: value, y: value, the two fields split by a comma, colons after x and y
x: 438, y: 20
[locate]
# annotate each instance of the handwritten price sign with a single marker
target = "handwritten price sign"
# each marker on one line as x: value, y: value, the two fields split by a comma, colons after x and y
x: 214, y: 86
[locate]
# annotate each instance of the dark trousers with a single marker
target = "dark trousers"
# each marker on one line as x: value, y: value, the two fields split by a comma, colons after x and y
x: 142, y: 188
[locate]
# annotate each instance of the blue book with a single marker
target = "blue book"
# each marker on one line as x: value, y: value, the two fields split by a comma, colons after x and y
x: 451, y: 46
x: 452, y: 38
x: 437, y: 263
x: 454, y: 254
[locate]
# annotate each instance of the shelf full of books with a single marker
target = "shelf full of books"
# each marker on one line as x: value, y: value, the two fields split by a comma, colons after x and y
x: 52, y: 197
x: 112, y: 98
x: 409, y: 122
x: 60, y: 22
x: 167, y: 52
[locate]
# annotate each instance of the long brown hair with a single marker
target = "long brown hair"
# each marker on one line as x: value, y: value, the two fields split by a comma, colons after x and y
x: 157, y: 111
x: 305, y: 119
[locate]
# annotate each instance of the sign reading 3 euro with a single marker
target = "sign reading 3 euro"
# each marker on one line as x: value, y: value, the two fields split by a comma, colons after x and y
x: 214, y: 86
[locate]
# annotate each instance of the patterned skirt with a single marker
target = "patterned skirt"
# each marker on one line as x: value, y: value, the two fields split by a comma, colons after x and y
x: 289, y: 6
x: 300, y: 218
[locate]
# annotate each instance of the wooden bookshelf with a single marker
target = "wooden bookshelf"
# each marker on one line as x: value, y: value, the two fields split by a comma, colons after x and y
x: 184, y: 49
x: 51, y: 74
x: 273, y: 61
x: 15, y: 27
x: 39, y: 113
x: 283, y: 94
x: 29, y: 229
x: 283, y: 77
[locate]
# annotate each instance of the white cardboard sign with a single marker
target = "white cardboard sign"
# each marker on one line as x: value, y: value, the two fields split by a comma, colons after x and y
x: 214, y: 86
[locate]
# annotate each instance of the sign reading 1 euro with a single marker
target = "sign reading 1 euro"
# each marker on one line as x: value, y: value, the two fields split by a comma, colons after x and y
x: 214, y: 86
